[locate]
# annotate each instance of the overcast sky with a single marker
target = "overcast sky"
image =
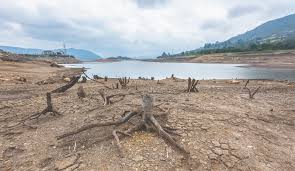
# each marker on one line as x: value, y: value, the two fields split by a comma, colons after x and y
x: 132, y: 27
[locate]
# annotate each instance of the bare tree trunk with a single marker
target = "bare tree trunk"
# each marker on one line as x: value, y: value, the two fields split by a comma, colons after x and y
x: 251, y: 95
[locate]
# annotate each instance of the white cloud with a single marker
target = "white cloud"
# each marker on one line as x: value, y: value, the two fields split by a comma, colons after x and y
x: 132, y: 27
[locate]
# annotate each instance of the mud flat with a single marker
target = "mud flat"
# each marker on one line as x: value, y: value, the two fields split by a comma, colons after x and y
x: 219, y: 125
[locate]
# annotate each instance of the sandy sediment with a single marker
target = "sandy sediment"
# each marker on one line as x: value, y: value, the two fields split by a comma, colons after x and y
x: 220, y: 126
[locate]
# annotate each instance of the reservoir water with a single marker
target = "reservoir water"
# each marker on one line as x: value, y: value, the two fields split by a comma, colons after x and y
x: 135, y: 69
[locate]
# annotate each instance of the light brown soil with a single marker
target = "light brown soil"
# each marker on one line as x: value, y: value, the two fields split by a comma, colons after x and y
x: 220, y: 126
x: 276, y: 59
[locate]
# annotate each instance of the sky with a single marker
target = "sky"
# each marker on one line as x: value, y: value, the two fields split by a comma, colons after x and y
x: 134, y: 28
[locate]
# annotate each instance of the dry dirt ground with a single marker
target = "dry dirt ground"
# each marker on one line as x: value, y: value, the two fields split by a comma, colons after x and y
x: 220, y: 127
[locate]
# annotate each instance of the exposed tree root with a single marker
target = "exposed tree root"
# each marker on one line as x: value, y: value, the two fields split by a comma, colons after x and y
x: 107, y: 99
x: 251, y: 95
x: 147, y: 122
x: 95, y: 125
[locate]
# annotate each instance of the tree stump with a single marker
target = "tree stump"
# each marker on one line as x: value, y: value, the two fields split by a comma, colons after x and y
x: 48, y: 109
x: 123, y: 82
x: 251, y: 95
x: 146, y: 121
x: 191, y: 85
x: 81, y: 92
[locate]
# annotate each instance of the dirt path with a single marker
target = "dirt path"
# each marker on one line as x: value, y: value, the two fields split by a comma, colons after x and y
x: 220, y: 126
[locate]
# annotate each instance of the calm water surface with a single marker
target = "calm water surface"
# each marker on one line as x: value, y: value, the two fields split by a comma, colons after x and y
x: 135, y: 69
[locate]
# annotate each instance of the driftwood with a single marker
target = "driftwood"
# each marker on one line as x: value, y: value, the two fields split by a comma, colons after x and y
x: 192, y: 83
x: 81, y: 92
x: 251, y: 95
x: 124, y: 82
x: 64, y: 88
x: 107, y: 99
x: 147, y: 121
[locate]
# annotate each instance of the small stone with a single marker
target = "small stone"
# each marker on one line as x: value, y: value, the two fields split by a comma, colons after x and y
x: 138, y: 158
x: 213, y: 156
x: 217, y: 151
x: 225, y: 152
x: 65, y: 162
x: 224, y: 146
x: 216, y: 143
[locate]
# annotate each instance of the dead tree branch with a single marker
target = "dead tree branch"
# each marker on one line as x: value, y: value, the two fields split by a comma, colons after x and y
x: 67, y: 86
x: 251, y: 95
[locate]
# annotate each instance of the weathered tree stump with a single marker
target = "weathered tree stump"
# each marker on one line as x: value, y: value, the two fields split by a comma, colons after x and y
x: 124, y: 82
x: 81, y: 92
x: 48, y: 109
x: 147, y: 121
x: 251, y: 95
x: 192, y: 85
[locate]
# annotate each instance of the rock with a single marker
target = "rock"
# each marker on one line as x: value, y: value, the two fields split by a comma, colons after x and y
x: 233, y: 82
x: 67, y: 162
x: 137, y: 158
x: 224, y: 146
x: 216, y: 143
x: 213, y: 156
x: 66, y: 79
x: 218, y: 151
x: 22, y: 79
x: 225, y: 152
x: 54, y: 64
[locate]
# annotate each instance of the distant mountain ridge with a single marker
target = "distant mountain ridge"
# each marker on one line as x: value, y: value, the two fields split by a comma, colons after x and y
x: 273, y: 35
x: 273, y: 31
x: 81, y: 54
x: 279, y: 27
